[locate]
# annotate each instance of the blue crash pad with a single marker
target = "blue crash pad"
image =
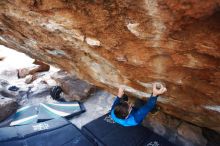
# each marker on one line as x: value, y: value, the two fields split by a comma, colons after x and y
x: 56, y: 132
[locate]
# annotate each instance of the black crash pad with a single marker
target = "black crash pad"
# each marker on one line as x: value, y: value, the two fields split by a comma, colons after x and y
x: 105, y: 132
x: 56, y: 132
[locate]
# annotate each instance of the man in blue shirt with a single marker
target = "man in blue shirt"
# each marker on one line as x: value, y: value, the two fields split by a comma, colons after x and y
x: 126, y: 115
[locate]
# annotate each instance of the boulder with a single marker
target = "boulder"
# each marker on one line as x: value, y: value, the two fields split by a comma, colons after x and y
x: 12, y: 91
x: 192, y: 133
x: 73, y: 88
x: 7, y: 107
x: 212, y: 137
x: 127, y: 43
x: 4, y: 89
x: 29, y: 79
x: 10, y: 74
x: 39, y: 67
x: 3, y: 83
x: 17, y: 93
x: 39, y: 90
x: 159, y: 121
x: 176, y: 130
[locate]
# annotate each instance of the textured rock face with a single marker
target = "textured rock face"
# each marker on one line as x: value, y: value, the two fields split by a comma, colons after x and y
x: 177, y: 131
x: 72, y: 87
x: 192, y: 133
x: 129, y: 43
x: 7, y: 107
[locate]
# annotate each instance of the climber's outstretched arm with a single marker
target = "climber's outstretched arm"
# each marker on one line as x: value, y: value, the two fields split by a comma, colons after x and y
x: 117, y: 99
x: 140, y: 114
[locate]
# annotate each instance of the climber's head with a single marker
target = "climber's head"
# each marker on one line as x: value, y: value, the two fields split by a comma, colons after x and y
x: 122, y: 110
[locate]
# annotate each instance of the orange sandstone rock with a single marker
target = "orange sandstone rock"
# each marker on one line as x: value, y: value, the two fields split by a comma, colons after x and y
x: 128, y: 43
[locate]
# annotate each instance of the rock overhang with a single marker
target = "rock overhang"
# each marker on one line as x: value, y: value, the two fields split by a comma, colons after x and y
x: 130, y: 44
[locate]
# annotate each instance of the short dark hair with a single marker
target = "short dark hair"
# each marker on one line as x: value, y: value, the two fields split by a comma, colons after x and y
x: 121, y: 110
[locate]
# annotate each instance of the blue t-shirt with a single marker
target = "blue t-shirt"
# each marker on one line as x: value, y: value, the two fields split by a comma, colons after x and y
x: 129, y: 121
x: 136, y: 116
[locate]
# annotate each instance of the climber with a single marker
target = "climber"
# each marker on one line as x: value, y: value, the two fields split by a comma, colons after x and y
x: 126, y: 114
